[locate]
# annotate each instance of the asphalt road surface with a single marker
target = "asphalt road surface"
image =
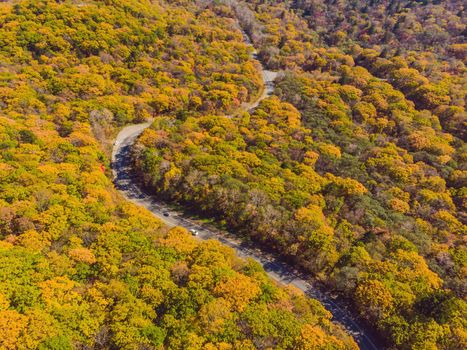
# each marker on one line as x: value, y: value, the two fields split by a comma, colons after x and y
x: 127, y: 183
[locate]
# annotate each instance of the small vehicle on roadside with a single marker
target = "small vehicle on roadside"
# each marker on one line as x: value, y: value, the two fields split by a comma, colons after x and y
x: 194, y: 232
x: 166, y: 213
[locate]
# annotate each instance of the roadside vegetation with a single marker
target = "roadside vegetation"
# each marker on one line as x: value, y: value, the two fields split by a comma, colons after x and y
x: 79, y: 267
x: 355, y: 170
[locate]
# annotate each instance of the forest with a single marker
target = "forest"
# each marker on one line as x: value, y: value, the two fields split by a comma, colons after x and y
x: 355, y: 168
x: 81, y: 268
x: 354, y: 171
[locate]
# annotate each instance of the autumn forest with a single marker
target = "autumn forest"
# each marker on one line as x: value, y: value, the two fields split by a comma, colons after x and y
x: 352, y: 171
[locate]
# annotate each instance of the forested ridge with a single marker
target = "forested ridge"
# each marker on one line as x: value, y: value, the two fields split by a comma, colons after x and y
x: 355, y: 169
x: 80, y: 268
x: 417, y: 46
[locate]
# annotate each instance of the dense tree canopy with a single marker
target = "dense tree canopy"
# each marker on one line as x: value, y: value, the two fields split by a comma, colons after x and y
x: 355, y: 170
x: 79, y: 267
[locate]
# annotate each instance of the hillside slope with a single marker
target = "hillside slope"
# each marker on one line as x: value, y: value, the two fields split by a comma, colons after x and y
x: 354, y: 171
x: 80, y: 268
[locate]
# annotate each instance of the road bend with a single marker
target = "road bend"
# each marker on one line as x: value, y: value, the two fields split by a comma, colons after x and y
x: 128, y: 184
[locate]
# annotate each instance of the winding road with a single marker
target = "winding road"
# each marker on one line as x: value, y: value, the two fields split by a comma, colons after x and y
x: 127, y: 183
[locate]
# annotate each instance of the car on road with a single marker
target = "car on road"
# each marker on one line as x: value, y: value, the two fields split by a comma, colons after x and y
x: 194, y: 232
x: 166, y: 213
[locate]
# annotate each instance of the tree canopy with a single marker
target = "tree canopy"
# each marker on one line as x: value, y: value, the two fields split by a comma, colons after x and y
x: 355, y: 169
x: 80, y: 268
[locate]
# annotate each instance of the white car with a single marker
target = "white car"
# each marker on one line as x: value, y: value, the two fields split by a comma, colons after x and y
x: 194, y: 232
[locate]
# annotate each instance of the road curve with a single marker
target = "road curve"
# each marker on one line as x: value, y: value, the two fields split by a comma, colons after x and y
x: 128, y: 184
